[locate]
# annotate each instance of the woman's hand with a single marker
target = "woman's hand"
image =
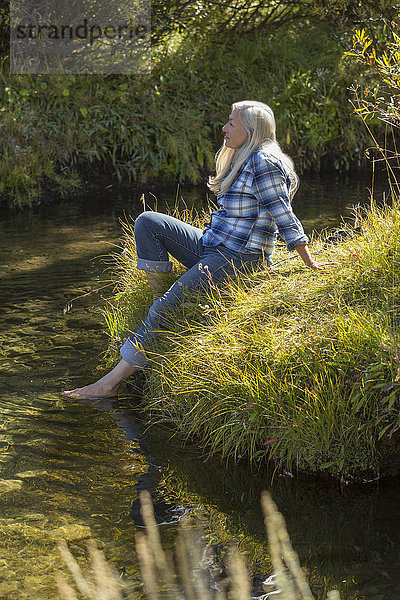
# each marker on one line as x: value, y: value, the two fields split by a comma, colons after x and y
x: 315, y: 266
x: 304, y: 253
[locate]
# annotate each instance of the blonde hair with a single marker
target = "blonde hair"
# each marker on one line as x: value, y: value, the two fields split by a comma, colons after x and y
x: 259, y: 124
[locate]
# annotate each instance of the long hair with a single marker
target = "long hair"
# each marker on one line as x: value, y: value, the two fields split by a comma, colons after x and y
x: 259, y: 124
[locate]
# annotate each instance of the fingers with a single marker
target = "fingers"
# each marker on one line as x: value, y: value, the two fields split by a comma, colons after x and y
x: 320, y: 266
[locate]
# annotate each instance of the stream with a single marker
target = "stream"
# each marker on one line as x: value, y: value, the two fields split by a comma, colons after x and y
x: 73, y: 469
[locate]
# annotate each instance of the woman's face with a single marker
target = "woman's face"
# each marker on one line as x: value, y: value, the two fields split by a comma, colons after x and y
x: 235, y: 135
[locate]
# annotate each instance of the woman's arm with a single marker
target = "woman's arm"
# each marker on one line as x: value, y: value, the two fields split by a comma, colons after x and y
x: 271, y: 190
x: 304, y: 253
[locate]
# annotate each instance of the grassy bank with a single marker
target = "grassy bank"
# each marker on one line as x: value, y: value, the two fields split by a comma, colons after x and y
x: 289, y: 366
x: 60, y: 132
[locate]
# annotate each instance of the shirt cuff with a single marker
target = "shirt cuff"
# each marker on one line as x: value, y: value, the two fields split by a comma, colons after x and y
x: 302, y: 240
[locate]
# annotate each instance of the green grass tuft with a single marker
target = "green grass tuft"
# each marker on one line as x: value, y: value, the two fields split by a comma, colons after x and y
x: 290, y: 366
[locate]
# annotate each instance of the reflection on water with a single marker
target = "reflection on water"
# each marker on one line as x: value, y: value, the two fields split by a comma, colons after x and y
x: 74, y: 469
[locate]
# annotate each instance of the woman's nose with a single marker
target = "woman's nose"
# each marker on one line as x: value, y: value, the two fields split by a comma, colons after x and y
x: 224, y: 128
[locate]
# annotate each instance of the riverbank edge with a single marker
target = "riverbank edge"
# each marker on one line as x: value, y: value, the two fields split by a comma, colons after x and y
x: 288, y: 367
x: 107, y: 181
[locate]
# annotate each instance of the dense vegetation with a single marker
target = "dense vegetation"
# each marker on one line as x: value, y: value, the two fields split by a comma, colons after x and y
x: 61, y: 131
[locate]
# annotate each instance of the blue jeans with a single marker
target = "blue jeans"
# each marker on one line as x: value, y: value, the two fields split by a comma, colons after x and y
x: 157, y: 236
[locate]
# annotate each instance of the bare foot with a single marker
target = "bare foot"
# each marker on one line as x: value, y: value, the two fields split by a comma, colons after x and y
x: 95, y: 390
x: 107, y: 386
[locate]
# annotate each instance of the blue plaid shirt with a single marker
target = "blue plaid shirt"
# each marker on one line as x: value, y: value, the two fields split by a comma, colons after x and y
x: 255, y: 208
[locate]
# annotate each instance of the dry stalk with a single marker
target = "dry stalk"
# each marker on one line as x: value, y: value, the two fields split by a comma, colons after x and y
x: 105, y: 577
x: 147, y: 566
x: 241, y: 588
x: 65, y: 590
x: 104, y: 584
x: 189, y: 580
x: 289, y: 575
x: 84, y: 586
x: 153, y: 552
x: 189, y: 560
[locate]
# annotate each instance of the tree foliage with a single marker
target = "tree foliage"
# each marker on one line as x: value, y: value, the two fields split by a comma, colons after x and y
x: 4, y: 27
x: 166, y: 124
x: 228, y: 17
x: 381, y: 102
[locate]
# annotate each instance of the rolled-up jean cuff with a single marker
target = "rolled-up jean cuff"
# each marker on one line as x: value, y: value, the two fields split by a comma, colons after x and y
x: 131, y: 353
x: 155, y: 266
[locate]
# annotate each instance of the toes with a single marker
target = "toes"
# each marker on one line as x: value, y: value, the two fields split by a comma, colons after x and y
x: 90, y: 394
x: 72, y: 393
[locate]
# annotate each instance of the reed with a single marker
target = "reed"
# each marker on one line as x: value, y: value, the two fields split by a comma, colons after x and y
x: 186, y: 574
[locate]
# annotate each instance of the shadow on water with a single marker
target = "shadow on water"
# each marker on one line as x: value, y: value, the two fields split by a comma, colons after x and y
x: 348, y: 536
x: 74, y: 469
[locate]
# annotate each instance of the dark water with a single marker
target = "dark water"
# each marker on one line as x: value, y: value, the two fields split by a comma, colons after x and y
x: 74, y: 469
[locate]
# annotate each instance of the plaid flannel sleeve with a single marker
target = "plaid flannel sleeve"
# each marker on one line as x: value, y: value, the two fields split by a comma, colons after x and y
x: 271, y: 188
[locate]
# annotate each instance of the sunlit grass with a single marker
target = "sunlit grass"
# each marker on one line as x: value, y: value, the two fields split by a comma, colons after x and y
x: 287, y: 365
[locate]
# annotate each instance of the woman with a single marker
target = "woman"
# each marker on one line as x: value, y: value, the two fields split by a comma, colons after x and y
x: 254, y: 183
